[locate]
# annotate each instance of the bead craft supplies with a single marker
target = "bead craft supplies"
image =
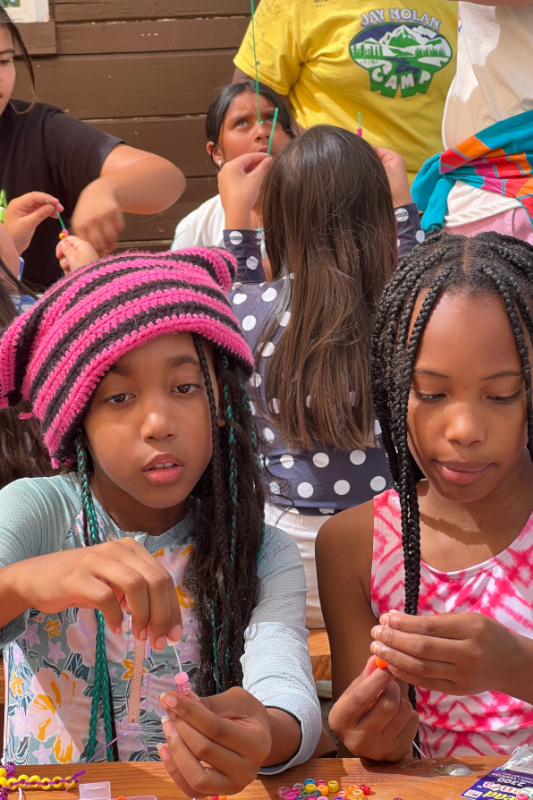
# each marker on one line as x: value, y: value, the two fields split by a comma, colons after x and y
x: 381, y: 664
x: 513, y: 779
x: 273, y: 129
x: 319, y: 788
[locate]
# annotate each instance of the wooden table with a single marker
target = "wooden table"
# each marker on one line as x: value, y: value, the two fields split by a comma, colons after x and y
x: 387, y: 781
x: 318, y: 643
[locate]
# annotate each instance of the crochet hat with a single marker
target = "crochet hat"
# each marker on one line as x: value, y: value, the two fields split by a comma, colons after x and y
x: 56, y: 354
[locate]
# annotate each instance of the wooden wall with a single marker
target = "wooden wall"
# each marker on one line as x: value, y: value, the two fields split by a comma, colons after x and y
x: 144, y: 70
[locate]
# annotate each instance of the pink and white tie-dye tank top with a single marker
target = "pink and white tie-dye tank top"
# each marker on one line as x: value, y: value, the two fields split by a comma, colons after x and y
x: 501, y: 588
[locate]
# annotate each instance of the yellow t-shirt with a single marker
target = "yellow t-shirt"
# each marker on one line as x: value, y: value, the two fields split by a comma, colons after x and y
x: 335, y: 58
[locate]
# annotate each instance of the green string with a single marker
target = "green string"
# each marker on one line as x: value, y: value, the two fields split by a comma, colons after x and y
x: 58, y: 215
x: 273, y: 129
x: 255, y: 62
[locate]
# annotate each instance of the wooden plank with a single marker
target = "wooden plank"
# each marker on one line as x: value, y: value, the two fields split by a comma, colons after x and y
x: 151, y: 35
x: 98, y: 10
x: 181, y: 140
x: 319, y: 651
x: 163, y: 225
x: 118, y: 86
x: 39, y: 37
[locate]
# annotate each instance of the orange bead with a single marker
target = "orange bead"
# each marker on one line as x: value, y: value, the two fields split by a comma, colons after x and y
x: 381, y: 664
x: 63, y: 234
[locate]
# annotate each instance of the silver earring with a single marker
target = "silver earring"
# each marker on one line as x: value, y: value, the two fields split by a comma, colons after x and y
x: 220, y: 162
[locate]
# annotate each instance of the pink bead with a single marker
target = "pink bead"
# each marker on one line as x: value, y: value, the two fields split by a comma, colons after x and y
x: 181, y: 678
x: 522, y: 796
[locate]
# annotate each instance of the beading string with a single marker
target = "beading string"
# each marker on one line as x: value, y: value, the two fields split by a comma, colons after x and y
x: 58, y: 215
x: 360, y: 128
x: 255, y: 64
x: 276, y: 112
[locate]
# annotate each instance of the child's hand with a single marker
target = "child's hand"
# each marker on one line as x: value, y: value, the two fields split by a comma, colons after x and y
x: 98, y: 217
x: 397, y: 174
x: 240, y: 183
x: 73, y: 253
x: 24, y: 213
x: 230, y: 732
x: 454, y: 653
x: 114, y: 576
x: 373, y: 718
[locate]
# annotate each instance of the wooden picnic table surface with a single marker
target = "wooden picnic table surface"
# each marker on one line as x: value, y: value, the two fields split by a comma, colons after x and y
x: 388, y: 781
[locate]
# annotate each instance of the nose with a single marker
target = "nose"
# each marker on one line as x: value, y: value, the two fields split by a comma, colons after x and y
x: 464, y: 424
x: 261, y: 131
x: 158, y: 419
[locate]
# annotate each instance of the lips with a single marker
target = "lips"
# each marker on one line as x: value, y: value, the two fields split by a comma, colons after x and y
x: 163, y: 470
x: 462, y: 472
x: 163, y: 461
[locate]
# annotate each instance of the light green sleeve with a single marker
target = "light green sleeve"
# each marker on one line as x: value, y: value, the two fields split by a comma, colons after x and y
x: 35, y: 516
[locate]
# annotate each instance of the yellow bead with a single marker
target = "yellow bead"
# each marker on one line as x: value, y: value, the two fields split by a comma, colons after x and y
x: 310, y: 787
x: 46, y: 784
x: 23, y: 778
x: 3, y: 781
x: 35, y: 779
x: 3, y: 773
x: 11, y: 781
x: 333, y: 786
x: 72, y: 784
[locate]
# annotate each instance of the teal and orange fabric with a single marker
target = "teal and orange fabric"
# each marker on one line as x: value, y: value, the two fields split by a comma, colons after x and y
x: 498, y: 159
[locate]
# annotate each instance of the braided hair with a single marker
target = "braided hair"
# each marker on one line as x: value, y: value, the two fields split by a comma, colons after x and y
x: 229, y: 530
x: 489, y: 263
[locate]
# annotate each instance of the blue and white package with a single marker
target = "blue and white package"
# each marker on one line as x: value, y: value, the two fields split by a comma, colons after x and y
x: 506, y: 782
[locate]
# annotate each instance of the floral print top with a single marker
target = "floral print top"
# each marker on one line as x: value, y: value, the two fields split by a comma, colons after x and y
x: 49, y: 659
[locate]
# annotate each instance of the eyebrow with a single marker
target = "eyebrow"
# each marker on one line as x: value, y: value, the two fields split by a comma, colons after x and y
x: 174, y: 361
x: 4, y: 52
x: 507, y: 373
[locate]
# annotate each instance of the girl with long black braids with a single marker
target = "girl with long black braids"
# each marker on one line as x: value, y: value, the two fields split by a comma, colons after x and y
x: 438, y: 571
x: 135, y: 369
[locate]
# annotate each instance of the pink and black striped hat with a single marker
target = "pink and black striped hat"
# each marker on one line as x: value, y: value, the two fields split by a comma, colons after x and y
x: 55, y: 354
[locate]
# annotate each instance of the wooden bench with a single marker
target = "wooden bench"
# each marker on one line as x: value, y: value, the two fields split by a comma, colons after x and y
x: 320, y: 654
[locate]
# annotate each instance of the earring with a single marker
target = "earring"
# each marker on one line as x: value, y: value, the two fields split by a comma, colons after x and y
x: 220, y: 162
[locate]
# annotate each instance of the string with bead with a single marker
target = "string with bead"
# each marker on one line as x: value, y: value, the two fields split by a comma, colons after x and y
x: 64, y: 231
x: 359, y: 130
x: 10, y: 783
x: 181, y: 679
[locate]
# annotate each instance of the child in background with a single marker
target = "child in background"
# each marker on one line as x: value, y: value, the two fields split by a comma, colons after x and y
x: 135, y: 368
x: 232, y: 130
x: 439, y: 570
x: 22, y: 454
x: 95, y: 175
x: 331, y: 237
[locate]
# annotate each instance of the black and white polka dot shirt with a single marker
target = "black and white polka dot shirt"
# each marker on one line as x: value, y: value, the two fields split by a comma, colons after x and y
x: 325, y: 480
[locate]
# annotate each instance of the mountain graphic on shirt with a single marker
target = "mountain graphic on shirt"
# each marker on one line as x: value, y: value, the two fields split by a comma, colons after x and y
x: 404, y: 57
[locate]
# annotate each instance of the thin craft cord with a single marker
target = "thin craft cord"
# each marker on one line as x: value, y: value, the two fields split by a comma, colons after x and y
x: 273, y: 129
x: 255, y: 63
x: 360, y: 128
x: 58, y: 215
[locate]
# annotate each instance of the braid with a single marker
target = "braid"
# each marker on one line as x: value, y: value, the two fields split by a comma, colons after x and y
x: 101, y: 688
x: 228, y: 524
x: 489, y: 263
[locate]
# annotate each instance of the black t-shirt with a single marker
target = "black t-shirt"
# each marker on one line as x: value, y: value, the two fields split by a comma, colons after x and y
x: 45, y: 150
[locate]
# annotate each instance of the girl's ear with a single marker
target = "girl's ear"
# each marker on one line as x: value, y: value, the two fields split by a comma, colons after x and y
x: 215, y: 154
